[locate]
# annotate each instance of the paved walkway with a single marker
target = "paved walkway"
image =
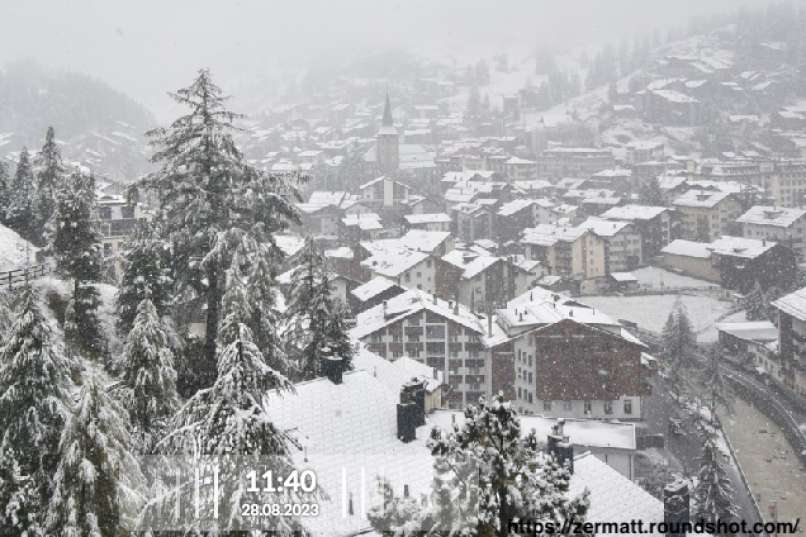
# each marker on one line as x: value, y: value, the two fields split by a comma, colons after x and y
x: 771, y: 465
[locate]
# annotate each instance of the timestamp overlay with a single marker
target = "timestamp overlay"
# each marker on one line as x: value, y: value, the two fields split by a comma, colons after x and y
x: 237, y: 493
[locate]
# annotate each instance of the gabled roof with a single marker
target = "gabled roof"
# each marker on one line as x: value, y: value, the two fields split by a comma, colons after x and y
x: 686, y: 248
x: 700, y: 198
x: 428, y: 218
x: 771, y: 216
x: 740, y: 247
x: 793, y: 304
x: 604, y: 228
x: 373, y: 288
x: 471, y: 263
x: 634, y: 212
x: 414, y: 301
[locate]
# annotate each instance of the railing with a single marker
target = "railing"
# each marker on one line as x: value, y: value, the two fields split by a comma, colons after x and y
x: 11, y: 279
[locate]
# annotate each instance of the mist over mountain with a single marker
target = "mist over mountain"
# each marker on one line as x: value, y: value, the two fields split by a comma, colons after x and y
x: 95, y: 123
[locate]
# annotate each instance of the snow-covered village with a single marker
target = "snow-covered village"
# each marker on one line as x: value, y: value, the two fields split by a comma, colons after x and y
x: 391, y: 269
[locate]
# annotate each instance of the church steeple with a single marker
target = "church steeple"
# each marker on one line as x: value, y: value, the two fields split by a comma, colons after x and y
x: 387, y: 113
x: 387, y: 145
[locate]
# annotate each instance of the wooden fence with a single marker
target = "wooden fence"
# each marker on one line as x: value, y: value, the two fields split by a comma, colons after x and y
x: 11, y: 279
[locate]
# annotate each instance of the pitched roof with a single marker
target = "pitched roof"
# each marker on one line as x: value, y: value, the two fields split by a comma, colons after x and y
x: 427, y: 218
x: 740, y: 246
x: 771, y: 216
x: 373, y: 288
x: 793, y: 304
x: 634, y: 212
x: 687, y: 248
x: 700, y: 198
x: 471, y: 263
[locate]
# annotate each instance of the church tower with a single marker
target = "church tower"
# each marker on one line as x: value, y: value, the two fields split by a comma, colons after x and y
x: 387, y: 145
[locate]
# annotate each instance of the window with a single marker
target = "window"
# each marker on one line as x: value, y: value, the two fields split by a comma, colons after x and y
x: 628, y: 406
x: 530, y: 397
x: 567, y: 406
x: 435, y: 331
x: 127, y: 211
x: 105, y: 213
x: 587, y: 407
x: 407, y: 276
x: 547, y: 406
x: 608, y: 407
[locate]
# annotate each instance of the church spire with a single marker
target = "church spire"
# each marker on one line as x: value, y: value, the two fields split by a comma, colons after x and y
x: 387, y: 113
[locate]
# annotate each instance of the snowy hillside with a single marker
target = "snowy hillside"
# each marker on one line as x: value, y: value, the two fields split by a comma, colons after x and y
x: 12, y: 250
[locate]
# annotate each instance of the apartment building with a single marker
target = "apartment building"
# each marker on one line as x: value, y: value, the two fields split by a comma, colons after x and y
x: 784, y: 225
x: 573, y: 161
x: 706, y: 215
x: 792, y: 339
x: 116, y: 220
x: 654, y: 224
x: 444, y: 335
x: 573, y: 361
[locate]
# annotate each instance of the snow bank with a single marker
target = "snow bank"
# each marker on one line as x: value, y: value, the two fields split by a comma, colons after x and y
x: 12, y: 250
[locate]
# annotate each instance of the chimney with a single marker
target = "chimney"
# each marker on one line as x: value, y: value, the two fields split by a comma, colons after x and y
x: 406, y: 421
x: 676, y: 507
x: 331, y: 366
x: 435, y: 299
x: 385, y: 307
x: 559, y: 447
x: 414, y: 392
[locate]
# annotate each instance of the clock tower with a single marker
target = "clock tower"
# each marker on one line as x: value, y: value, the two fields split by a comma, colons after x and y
x: 387, y: 145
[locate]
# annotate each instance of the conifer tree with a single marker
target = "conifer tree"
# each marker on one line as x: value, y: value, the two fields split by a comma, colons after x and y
x: 678, y: 341
x: 316, y: 319
x: 650, y: 193
x: 148, y: 370
x: 206, y: 188
x: 713, y: 495
x: 20, y: 215
x: 94, y: 468
x: 755, y: 304
x: 20, y: 504
x: 146, y: 272
x: 34, y: 392
x: 487, y: 476
x: 49, y: 175
x: 265, y: 316
x: 718, y: 391
x: 75, y: 244
x: 5, y: 193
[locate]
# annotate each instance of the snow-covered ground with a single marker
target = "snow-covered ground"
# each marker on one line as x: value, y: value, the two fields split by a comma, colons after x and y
x: 12, y: 250
x: 651, y: 311
x: 658, y: 278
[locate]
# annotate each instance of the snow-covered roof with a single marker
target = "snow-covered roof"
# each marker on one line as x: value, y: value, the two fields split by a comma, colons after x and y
x: 363, y: 221
x: 342, y: 252
x: 535, y: 184
x: 550, y: 234
x: 793, y: 304
x: 674, y: 96
x: 740, y: 246
x: 372, y: 288
x: 633, y: 212
x: 762, y: 331
x: 700, y: 198
x: 603, y: 227
x: 427, y: 218
x: 514, y: 206
x: 613, y: 497
x: 624, y: 276
x: 393, y: 261
x: 395, y: 373
x: 580, y: 432
x: 686, y: 248
x: 471, y: 263
x: 771, y: 216
x: 414, y: 301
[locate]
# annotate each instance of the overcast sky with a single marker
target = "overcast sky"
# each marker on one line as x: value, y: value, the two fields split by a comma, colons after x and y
x: 146, y: 47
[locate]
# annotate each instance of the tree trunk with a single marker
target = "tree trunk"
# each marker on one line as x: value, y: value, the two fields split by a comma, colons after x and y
x: 211, y: 333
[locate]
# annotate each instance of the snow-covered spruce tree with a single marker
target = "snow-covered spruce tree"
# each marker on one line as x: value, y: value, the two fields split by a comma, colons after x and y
x: 205, y: 187
x: 34, y: 392
x: 146, y: 271
x: 93, y: 483
x: 755, y: 304
x: 20, y: 504
x: 20, y: 215
x: 713, y: 495
x: 229, y: 420
x: 50, y: 173
x: 487, y: 476
x: 678, y: 342
x: 717, y: 388
x: 265, y: 315
x: 315, y: 317
x: 76, y: 245
x: 5, y: 193
x: 148, y: 371
x: 650, y: 193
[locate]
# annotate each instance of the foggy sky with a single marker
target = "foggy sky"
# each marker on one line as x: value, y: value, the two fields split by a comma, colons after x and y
x: 147, y: 47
